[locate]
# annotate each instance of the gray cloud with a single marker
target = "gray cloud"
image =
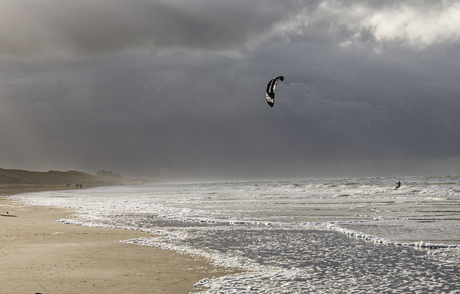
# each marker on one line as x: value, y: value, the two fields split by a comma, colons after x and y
x: 69, y: 29
x: 167, y: 89
x: 72, y: 29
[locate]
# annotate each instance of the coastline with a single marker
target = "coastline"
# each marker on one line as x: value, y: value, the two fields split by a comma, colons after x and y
x: 40, y: 255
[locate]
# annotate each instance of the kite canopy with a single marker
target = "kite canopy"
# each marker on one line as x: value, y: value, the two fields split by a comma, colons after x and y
x: 270, y: 92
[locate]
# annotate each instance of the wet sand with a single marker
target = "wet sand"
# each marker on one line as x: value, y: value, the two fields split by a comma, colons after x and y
x: 40, y: 255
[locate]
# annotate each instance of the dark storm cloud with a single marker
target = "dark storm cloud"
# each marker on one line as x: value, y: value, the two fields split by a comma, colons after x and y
x: 69, y: 28
x: 81, y: 28
x: 176, y: 88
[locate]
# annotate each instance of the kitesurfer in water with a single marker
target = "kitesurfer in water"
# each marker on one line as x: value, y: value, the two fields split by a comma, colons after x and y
x: 398, y: 184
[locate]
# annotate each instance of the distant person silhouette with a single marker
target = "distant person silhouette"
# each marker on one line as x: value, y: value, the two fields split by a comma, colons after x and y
x: 398, y: 184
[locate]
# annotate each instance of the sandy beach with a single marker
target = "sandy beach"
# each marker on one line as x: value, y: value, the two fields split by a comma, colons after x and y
x: 40, y: 255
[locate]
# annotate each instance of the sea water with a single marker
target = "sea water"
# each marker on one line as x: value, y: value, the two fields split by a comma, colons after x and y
x: 352, y: 235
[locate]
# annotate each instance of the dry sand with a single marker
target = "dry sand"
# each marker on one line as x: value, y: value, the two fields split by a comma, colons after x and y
x: 40, y: 255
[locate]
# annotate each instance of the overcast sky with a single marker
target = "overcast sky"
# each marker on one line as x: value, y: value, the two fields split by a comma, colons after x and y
x: 174, y: 89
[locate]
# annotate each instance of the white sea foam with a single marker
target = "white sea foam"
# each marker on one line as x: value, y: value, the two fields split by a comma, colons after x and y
x: 322, y: 236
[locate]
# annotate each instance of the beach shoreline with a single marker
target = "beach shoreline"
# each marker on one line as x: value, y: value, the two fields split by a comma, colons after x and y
x: 38, y: 254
